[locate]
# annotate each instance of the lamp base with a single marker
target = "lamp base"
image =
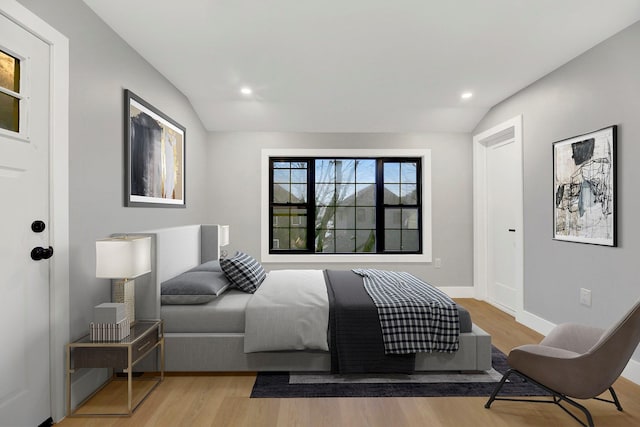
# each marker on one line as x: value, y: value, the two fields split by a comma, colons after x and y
x: 123, y: 291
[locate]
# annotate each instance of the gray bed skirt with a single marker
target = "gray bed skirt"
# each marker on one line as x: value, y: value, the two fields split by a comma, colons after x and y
x: 202, y: 352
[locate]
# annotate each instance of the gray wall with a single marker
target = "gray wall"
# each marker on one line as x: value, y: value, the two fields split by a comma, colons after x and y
x: 595, y: 90
x: 234, y: 183
x: 101, y: 66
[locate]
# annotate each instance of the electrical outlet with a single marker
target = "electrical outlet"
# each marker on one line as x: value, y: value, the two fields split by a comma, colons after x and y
x: 437, y: 263
x: 585, y: 297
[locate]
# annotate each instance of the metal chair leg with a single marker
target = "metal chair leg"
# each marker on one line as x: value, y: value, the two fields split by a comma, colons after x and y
x: 498, y: 388
x: 557, y: 398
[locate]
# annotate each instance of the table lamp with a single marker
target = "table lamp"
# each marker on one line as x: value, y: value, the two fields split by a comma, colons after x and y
x: 223, y: 239
x: 123, y: 259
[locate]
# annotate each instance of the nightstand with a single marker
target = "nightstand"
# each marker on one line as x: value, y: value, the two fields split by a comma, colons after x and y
x: 145, y: 336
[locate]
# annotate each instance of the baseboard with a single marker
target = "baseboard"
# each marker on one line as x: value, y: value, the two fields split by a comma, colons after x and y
x: 458, y: 291
x: 542, y: 326
x: 632, y: 371
x: 535, y: 322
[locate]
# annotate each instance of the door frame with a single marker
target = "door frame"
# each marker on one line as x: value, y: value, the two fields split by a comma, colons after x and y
x: 500, y: 133
x: 58, y: 194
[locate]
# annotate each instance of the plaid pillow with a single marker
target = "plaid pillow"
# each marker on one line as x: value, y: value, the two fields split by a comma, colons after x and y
x: 243, y: 271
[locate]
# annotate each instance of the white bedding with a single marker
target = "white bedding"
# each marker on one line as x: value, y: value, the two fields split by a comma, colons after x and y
x: 289, y: 311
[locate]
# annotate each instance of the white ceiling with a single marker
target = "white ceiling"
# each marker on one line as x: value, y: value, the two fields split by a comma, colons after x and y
x: 358, y: 65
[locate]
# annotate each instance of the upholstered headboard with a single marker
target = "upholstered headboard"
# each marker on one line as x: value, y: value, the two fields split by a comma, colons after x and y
x: 173, y: 251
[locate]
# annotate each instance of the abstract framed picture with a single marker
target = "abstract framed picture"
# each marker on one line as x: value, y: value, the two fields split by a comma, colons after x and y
x: 584, y: 185
x: 154, y: 156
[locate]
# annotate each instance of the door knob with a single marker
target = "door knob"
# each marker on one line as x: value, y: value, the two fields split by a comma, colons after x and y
x: 39, y: 253
x: 38, y: 226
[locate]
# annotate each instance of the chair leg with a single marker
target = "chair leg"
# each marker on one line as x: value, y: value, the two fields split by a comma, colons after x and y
x: 498, y: 388
x: 615, y: 400
x: 557, y: 398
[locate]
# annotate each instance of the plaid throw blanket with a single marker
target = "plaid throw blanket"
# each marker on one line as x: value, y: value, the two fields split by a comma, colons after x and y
x: 414, y: 316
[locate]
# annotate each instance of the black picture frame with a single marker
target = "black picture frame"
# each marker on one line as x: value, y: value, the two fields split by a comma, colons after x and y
x: 585, y: 188
x: 155, y: 156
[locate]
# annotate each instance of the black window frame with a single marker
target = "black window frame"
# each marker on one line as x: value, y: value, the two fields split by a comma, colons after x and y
x: 380, y: 205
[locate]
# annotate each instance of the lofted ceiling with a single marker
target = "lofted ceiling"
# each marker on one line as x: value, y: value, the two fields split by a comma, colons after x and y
x: 358, y: 65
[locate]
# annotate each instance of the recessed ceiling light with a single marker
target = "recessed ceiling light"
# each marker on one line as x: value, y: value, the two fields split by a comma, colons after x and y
x: 466, y: 95
x: 246, y: 90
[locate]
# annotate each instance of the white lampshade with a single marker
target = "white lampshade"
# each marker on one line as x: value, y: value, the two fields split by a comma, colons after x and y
x: 223, y: 235
x: 123, y: 257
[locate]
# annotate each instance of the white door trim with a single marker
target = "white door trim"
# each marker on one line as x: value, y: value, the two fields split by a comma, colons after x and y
x: 510, y: 129
x: 59, y: 193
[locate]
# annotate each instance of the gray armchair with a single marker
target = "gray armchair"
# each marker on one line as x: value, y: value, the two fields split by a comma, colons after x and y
x: 576, y: 361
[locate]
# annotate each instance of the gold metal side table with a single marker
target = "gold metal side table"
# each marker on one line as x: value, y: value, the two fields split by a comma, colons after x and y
x: 145, y: 336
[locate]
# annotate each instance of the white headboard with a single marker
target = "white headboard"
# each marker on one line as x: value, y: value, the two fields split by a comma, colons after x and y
x: 173, y: 251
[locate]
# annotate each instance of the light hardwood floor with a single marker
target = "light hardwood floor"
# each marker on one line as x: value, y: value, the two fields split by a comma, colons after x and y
x: 223, y: 400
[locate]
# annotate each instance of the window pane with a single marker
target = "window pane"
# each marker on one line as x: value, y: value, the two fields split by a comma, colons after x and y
x: 391, y: 194
x: 345, y: 241
x: 345, y: 217
x: 298, y: 218
x: 299, y: 175
x: 365, y: 241
x: 9, y: 72
x: 325, y: 241
x: 298, y: 193
x: 345, y: 170
x: 365, y: 218
x: 281, y: 217
x: 9, y: 113
x: 281, y: 193
x: 325, y: 170
x: 365, y: 194
x: 281, y: 175
x: 281, y: 165
x: 325, y: 217
x: 409, y: 194
x: 325, y: 194
x: 289, y: 229
x: 410, y: 219
x: 366, y: 171
x: 391, y: 172
x: 345, y: 194
x: 392, y: 240
x: 298, y: 239
x: 392, y: 218
x: 299, y: 165
x: 409, y: 172
x: 289, y: 217
x: 410, y: 240
x: 281, y: 238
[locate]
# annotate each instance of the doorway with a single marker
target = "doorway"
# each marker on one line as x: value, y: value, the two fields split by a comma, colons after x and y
x: 498, y: 216
x: 55, y: 332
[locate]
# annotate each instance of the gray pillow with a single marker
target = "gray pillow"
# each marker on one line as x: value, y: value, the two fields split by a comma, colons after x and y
x: 193, y: 287
x: 208, y: 266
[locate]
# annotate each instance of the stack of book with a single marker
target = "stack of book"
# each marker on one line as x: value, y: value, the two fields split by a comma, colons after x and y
x: 110, y: 322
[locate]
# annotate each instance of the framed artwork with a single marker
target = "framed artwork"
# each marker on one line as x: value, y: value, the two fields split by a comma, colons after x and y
x: 154, y: 156
x: 584, y: 185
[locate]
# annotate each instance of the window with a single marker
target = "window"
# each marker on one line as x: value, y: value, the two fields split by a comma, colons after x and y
x: 10, y: 95
x: 346, y: 205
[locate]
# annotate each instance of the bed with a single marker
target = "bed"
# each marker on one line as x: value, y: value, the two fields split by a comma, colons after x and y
x: 210, y: 337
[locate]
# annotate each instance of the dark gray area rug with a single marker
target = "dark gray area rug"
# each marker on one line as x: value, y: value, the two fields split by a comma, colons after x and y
x: 284, y: 385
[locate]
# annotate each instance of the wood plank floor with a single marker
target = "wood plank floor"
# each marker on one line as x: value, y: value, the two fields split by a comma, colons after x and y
x: 223, y: 400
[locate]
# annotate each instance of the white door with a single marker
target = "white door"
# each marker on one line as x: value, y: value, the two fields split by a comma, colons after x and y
x: 502, y: 180
x: 24, y: 196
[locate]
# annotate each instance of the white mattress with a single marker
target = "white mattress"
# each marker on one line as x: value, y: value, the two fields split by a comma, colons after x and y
x: 226, y: 314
